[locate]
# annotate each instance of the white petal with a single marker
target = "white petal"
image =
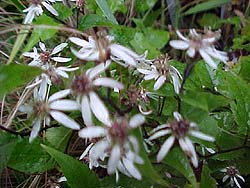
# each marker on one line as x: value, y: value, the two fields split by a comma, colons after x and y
x: 64, y: 120
x: 42, y: 46
x: 159, y: 134
x: 30, y: 54
x: 99, y: 109
x: 191, y: 52
x: 151, y: 76
x: 160, y: 81
x: 239, y: 176
x: 25, y: 108
x: 79, y: 42
x: 225, y: 178
x: 89, y: 55
x: 59, y: 48
x: 181, y: 36
x: 50, y: 8
x: 122, y: 55
x: 98, y: 151
x: 236, y: 182
x: 208, y: 59
x: 192, y: 150
x: 86, y: 151
x: 177, y: 116
x: 176, y: 83
x: 136, y: 120
x: 35, y: 130
x: 179, y: 44
x: 114, y: 159
x: 92, y: 132
x: 61, y: 59
x: 165, y: 148
x: 96, y: 70
x: 159, y: 127
x: 134, y: 143
x: 108, y: 82
x: 43, y: 89
x: 86, y: 112
x: 131, y: 168
x: 64, y: 105
x: 202, y: 136
x: 59, y: 95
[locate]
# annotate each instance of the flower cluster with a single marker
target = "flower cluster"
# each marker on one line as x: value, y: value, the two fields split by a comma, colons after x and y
x: 112, y: 141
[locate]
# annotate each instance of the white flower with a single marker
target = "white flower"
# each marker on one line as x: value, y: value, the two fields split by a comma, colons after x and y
x: 204, y: 44
x: 233, y: 174
x: 84, y: 86
x: 116, y: 143
x: 161, y: 70
x: 42, y: 110
x: 46, y: 56
x: 179, y: 130
x: 35, y: 9
x: 102, y: 49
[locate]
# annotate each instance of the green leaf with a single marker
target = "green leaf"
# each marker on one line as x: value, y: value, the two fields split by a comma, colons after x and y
x: 103, y: 5
x: 244, y: 63
x: 18, y: 4
x: 41, y: 33
x: 147, y: 170
x: 15, y: 75
x: 126, y: 182
x: 234, y: 87
x: 203, y: 100
x: 77, y: 174
x: 177, y: 159
x: 7, y: 146
x: 206, y: 180
x: 30, y: 157
x: 93, y: 20
x: 157, y: 38
x: 141, y: 44
x: 24, y: 31
x: 210, y: 20
x: 205, y: 6
x: 58, y: 137
x: 63, y: 11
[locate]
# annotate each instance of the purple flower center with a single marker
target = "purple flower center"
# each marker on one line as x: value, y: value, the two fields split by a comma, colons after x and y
x: 40, y: 109
x: 81, y: 84
x: 180, y: 128
x: 119, y: 131
x: 232, y: 171
x: 44, y: 57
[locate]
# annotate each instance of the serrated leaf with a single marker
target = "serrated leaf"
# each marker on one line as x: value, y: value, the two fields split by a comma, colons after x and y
x: 234, y: 87
x: 77, y: 173
x: 178, y: 160
x: 15, y: 75
x: 30, y: 157
x: 103, y: 5
x: 205, y: 6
